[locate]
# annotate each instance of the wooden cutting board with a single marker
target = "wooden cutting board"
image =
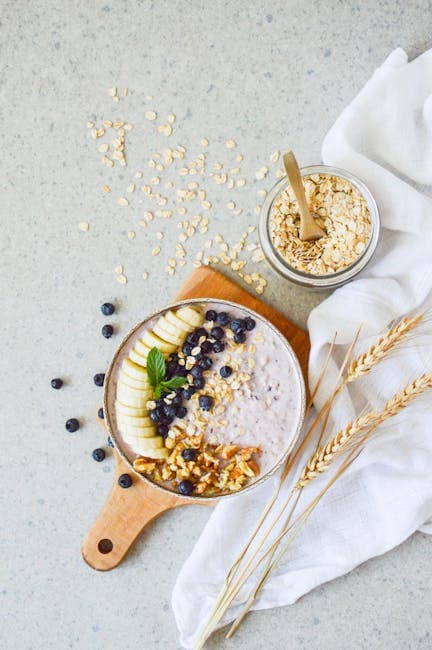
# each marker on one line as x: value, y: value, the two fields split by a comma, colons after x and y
x: 128, y: 511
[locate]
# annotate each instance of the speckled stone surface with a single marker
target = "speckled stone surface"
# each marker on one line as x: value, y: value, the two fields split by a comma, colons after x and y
x: 268, y: 74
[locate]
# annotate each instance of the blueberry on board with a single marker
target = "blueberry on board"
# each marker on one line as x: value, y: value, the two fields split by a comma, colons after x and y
x: 222, y: 318
x: 188, y: 392
x: 125, y: 480
x: 199, y: 382
x: 237, y: 325
x: 107, y: 331
x: 205, y: 402
x: 72, y: 425
x: 225, y: 371
x: 162, y: 430
x: 189, y: 454
x: 206, y: 346
x: 205, y: 363
x: 107, y: 309
x: 101, y: 414
x: 185, y: 487
x: 99, y: 379
x: 181, y: 412
x: 98, y: 455
x: 218, y: 346
x: 211, y: 314
x: 110, y: 442
x: 239, y: 337
x: 56, y: 383
x: 249, y: 323
x: 217, y: 333
x: 196, y: 371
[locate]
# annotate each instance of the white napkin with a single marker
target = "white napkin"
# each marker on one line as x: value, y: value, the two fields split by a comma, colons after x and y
x: 385, y: 138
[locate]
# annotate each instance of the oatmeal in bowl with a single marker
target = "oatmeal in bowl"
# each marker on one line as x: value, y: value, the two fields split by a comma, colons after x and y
x: 204, y: 399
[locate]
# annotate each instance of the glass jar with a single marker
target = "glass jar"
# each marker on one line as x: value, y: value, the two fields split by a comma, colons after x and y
x: 329, y: 281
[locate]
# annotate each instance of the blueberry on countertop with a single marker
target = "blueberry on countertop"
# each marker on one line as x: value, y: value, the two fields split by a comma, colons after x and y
x: 196, y: 371
x: 225, y: 371
x: 189, y: 454
x: 199, y: 382
x: 239, y: 337
x: 205, y: 402
x: 211, y: 314
x: 217, y: 333
x: 181, y: 412
x: 107, y: 309
x: 249, y: 323
x: 72, y: 425
x: 218, y: 346
x: 99, y: 379
x: 98, y: 455
x: 185, y: 487
x: 101, y: 414
x: 56, y: 383
x: 125, y: 480
x: 222, y: 318
x: 110, y: 442
x: 206, y: 346
x: 107, y: 331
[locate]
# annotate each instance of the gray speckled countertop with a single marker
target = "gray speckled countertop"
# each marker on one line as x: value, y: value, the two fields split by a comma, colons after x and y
x: 269, y: 75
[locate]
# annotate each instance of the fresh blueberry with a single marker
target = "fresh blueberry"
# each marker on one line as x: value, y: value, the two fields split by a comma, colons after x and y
x: 187, y: 348
x: 217, y: 333
x: 181, y: 371
x: 56, y: 383
x: 168, y: 419
x: 168, y: 410
x: 249, y: 323
x: 188, y: 392
x: 125, y: 480
x: 72, y: 425
x: 156, y: 414
x: 196, y: 372
x: 205, y: 363
x: 199, y: 383
x: 181, y: 412
x: 237, y: 325
x: 218, y: 346
x: 222, y: 318
x: 185, y: 487
x: 225, y: 371
x: 192, y: 338
x: 163, y: 430
x: 98, y: 455
x: 211, y: 314
x: 107, y: 309
x: 205, y: 402
x: 189, y: 454
x: 177, y: 401
x: 206, y: 346
x: 239, y: 337
x: 101, y: 414
x: 107, y: 331
x: 110, y: 442
x: 99, y: 379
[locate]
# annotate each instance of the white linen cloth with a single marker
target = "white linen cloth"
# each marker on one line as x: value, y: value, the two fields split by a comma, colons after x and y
x: 385, y: 138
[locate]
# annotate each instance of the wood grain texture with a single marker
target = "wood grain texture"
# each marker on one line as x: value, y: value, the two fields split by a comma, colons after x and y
x: 127, y: 511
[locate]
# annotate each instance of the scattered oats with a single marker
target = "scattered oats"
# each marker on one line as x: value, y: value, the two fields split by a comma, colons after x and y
x: 139, y: 175
x: 240, y: 182
x: 204, y: 142
x: 280, y: 173
x: 169, y: 185
x: 165, y: 129
x: 159, y: 235
x: 159, y: 167
x: 261, y: 173
x: 262, y: 193
x: 239, y: 157
x: 90, y: 125
x: 112, y: 92
x: 171, y: 118
x: 156, y: 251
x: 183, y: 171
x: 182, y: 237
x: 218, y: 239
x: 151, y: 163
x: 257, y: 209
x: 122, y: 278
x: 208, y: 243
x: 142, y: 223
x: 155, y: 180
x: 145, y: 275
x: 131, y: 234
x: 131, y: 187
x: 119, y: 269
x: 230, y: 205
x: 116, y: 99
x: 84, y: 226
x: 259, y: 289
x: 123, y: 201
x: 106, y: 188
x: 230, y: 144
x: 149, y: 98
x: 206, y: 205
x: 128, y: 127
x: 238, y: 211
x: 125, y: 92
x: 148, y: 216
x: 103, y: 148
x: 235, y: 170
x: 230, y: 184
x: 275, y: 156
x: 217, y: 166
x: 150, y: 115
x: 250, y: 230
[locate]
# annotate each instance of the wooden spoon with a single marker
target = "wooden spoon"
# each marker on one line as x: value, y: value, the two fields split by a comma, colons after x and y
x: 309, y: 230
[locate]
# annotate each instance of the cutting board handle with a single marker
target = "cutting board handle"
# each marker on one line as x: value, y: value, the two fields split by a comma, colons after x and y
x: 124, y: 516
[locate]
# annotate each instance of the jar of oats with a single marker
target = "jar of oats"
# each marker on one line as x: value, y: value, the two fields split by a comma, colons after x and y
x: 345, y: 210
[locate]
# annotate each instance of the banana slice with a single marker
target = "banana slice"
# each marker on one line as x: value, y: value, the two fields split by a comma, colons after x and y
x: 134, y: 420
x: 124, y: 409
x: 145, y: 444
x: 131, y: 396
x: 134, y: 383
x: 124, y: 382
x: 169, y: 332
x: 138, y: 358
x: 133, y: 370
x: 151, y: 340
x: 152, y: 453
x: 130, y: 433
x: 178, y: 322
x: 190, y: 316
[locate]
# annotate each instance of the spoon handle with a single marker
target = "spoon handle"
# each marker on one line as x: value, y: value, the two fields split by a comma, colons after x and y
x: 293, y: 172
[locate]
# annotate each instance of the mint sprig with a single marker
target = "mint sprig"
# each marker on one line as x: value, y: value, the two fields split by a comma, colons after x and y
x: 156, y: 370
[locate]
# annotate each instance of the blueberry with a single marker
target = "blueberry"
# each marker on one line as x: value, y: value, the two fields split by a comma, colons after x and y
x: 56, y: 383
x: 177, y: 401
x: 196, y: 372
x: 156, y: 414
x: 187, y: 348
x: 189, y: 454
x: 168, y: 419
x: 107, y: 331
x: 163, y: 430
x: 239, y: 337
x: 99, y: 379
x: 217, y: 333
x: 222, y: 318
x: 206, y: 346
x: 188, y: 392
x: 101, y: 414
x: 225, y: 371
x: 125, y: 480
x: 199, y: 382
x: 110, y: 442
x: 185, y: 487
x: 72, y: 425
x: 205, y: 402
x: 218, y: 346
x: 192, y: 338
x: 205, y: 363
x: 181, y: 371
x: 181, y: 412
x: 237, y: 325
x: 249, y: 323
x: 107, y: 309
x: 168, y: 410
x: 211, y: 314
x: 98, y: 455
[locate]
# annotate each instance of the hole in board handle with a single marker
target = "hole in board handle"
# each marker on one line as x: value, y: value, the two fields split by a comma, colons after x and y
x: 105, y: 546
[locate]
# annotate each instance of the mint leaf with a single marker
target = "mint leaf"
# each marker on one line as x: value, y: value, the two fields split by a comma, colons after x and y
x: 158, y: 391
x: 155, y: 366
x: 174, y: 382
